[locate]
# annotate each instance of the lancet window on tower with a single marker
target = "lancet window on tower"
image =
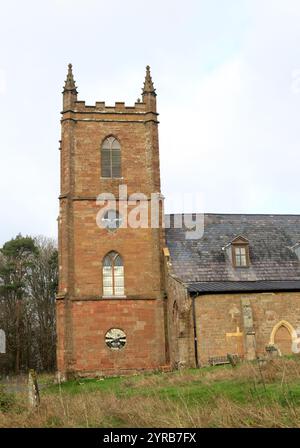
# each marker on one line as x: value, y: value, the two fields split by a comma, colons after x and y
x: 113, y: 275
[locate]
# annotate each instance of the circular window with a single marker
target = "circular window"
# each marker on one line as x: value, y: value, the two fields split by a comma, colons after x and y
x: 115, y: 339
x: 111, y: 220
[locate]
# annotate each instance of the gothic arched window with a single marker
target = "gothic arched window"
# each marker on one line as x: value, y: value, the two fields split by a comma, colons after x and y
x: 113, y: 275
x: 111, y: 158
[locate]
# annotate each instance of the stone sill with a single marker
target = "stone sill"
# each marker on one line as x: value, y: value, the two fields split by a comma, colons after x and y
x: 113, y: 297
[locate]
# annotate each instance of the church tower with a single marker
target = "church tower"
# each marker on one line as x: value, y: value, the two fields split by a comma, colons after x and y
x: 110, y: 303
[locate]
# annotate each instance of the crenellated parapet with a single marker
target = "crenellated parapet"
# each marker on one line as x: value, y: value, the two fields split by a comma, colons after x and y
x: 76, y: 110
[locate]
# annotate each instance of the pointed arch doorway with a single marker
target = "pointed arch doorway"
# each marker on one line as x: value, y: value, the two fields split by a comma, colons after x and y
x: 283, y: 335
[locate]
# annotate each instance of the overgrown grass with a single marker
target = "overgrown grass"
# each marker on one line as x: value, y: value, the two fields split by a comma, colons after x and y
x: 6, y: 400
x: 246, y: 396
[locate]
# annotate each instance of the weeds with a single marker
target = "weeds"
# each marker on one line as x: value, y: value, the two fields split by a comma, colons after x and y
x: 6, y: 400
x: 250, y: 395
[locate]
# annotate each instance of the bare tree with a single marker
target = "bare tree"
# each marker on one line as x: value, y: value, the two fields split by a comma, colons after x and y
x: 43, y: 284
x: 28, y: 282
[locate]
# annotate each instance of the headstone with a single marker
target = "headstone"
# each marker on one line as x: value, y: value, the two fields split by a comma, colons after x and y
x: 2, y: 341
x: 33, y: 389
x: 272, y: 351
x: 233, y: 359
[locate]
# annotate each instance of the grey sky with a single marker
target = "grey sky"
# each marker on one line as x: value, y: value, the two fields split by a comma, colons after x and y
x: 227, y: 74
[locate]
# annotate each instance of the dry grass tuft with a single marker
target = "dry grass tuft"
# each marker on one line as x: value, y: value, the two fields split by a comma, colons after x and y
x: 138, y: 408
x: 102, y: 410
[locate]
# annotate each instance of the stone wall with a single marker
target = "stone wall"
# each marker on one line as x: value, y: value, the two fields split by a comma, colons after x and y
x: 221, y: 324
x: 139, y: 319
x: 243, y: 324
x: 180, y: 324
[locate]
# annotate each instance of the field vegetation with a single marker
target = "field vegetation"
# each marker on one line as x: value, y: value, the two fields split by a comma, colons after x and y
x: 249, y: 395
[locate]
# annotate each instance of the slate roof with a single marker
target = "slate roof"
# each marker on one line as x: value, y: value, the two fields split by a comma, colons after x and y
x: 202, y: 260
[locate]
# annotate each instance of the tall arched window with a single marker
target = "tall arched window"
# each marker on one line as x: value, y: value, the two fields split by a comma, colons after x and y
x: 111, y: 158
x: 113, y: 275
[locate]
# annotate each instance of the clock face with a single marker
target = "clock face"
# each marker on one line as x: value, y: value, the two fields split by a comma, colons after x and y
x: 115, y: 339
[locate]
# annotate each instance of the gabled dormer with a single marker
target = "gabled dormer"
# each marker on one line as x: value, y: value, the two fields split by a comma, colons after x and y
x: 237, y: 251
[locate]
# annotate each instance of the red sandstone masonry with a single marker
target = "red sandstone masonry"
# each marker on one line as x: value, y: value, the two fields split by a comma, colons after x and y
x: 83, y: 316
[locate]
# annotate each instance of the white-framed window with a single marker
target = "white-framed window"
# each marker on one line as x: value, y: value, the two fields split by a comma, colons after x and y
x: 113, y: 275
x: 240, y: 256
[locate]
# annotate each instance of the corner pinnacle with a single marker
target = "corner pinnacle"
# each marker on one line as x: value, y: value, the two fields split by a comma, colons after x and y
x: 148, y: 83
x: 70, y: 82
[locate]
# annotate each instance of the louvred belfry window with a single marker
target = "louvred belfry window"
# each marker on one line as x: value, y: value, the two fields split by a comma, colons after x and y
x: 111, y: 158
x: 113, y: 275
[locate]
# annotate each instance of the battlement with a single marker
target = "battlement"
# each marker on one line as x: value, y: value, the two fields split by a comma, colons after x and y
x: 100, y: 106
x: 71, y: 105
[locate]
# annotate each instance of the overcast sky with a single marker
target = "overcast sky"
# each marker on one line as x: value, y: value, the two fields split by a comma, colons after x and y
x: 227, y: 75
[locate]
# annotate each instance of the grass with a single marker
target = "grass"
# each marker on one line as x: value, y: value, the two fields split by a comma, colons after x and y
x: 245, y: 396
x: 6, y: 400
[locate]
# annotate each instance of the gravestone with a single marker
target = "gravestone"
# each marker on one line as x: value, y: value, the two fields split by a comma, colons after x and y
x: 33, y: 389
x: 2, y: 342
x: 272, y: 351
x: 233, y: 359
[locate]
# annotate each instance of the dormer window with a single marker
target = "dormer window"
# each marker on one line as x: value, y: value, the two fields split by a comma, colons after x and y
x: 237, y: 252
x: 240, y: 252
x: 240, y: 256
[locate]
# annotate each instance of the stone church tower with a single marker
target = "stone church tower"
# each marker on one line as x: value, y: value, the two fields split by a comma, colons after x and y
x: 110, y: 304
